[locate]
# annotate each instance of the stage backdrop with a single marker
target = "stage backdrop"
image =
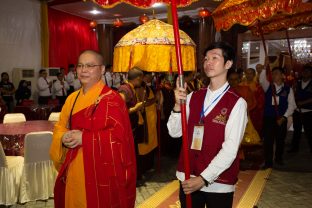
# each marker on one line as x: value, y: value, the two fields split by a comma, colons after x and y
x: 19, y: 35
x: 68, y: 36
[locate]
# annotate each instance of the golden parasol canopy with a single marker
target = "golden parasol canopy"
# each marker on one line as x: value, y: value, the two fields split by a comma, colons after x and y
x: 301, y: 15
x: 151, y: 47
x: 246, y: 12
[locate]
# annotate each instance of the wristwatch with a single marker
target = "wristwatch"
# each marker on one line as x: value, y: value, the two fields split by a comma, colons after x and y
x: 205, y: 181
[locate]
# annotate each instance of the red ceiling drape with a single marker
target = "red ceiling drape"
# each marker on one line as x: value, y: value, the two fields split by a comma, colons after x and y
x: 68, y: 36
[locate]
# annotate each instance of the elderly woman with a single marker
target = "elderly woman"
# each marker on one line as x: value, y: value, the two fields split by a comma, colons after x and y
x: 92, y: 145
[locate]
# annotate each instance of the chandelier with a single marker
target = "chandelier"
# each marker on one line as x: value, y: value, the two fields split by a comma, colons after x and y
x: 301, y: 50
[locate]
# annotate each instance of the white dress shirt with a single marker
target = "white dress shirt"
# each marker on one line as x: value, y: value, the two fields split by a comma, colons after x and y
x: 117, y: 78
x: 59, y: 88
x: 108, y: 79
x: 291, y: 98
x: 43, y: 87
x: 234, y: 132
x: 70, y: 77
x: 77, y: 84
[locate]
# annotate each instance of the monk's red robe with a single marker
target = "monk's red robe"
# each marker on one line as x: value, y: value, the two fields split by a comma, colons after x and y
x: 105, y: 162
x: 256, y: 114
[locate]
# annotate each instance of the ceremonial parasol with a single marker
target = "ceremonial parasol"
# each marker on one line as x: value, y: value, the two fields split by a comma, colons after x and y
x: 147, y: 3
x: 151, y: 47
x: 248, y: 12
x: 300, y: 15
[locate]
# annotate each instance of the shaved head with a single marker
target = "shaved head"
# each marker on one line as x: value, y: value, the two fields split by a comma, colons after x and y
x: 97, y: 55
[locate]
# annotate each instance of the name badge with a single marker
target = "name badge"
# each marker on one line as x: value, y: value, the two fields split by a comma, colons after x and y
x: 277, y: 100
x: 198, y: 136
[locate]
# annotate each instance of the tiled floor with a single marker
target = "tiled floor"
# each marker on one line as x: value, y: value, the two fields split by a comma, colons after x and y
x: 290, y: 186
x: 287, y: 187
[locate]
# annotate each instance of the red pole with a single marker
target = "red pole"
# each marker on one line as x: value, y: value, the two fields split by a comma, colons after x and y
x: 183, y: 107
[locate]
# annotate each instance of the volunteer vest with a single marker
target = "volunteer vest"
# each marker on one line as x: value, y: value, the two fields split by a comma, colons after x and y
x: 214, y: 131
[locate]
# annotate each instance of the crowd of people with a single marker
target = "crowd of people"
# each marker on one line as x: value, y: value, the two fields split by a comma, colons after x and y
x: 111, y: 125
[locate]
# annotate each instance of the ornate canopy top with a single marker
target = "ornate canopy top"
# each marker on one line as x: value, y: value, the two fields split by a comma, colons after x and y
x: 141, y: 3
x: 246, y: 12
x: 300, y: 16
x: 153, y: 32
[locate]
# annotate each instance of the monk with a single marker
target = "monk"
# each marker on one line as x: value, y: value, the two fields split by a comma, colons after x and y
x: 128, y: 93
x: 256, y: 114
x: 245, y: 92
x: 92, y: 146
x: 251, y: 136
x: 149, y: 114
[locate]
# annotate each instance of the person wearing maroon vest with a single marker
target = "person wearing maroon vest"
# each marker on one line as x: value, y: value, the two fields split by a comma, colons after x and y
x: 219, y: 116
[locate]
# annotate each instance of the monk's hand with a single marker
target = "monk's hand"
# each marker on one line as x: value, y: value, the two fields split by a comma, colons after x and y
x: 66, y: 138
x: 72, y: 139
x: 192, y: 184
x: 138, y: 106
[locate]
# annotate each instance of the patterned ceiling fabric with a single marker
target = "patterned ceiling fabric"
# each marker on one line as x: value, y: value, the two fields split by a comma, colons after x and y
x: 301, y: 15
x: 141, y: 3
x: 246, y: 12
x: 151, y: 47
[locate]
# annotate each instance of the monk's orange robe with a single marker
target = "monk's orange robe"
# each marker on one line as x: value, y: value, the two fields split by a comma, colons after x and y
x: 256, y: 115
x: 248, y: 95
x: 251, y: 136
x: 151, y: 119
x: 102, y: 171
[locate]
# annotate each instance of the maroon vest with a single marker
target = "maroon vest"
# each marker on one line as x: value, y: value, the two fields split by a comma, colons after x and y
x: 214, y: 125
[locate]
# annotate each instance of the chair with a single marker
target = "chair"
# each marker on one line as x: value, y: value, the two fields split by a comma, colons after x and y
x: 14, y: 118
x: 39, y: 174
x: 54, y: 116
x: 11, y: 168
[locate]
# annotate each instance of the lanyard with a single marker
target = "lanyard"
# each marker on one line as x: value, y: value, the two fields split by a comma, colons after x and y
x: 71, y: 112
x: 202, y: 113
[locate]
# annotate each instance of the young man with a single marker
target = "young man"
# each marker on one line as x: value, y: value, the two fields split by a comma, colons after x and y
x: 60, y: 88
x: 44, y: 86
x: 70, y: 78
x: 92, y: 145
x: 107, y: 77
x: 279, y: 105
x: 217, y: 118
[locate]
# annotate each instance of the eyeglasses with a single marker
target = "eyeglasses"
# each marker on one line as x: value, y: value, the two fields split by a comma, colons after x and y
x: 87, y: 66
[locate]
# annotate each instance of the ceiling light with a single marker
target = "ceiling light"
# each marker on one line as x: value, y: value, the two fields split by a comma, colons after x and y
x: 95, y: 12
x: 157, y: 5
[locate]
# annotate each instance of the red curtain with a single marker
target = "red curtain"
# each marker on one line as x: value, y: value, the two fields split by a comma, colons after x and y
x: 68, y: 36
